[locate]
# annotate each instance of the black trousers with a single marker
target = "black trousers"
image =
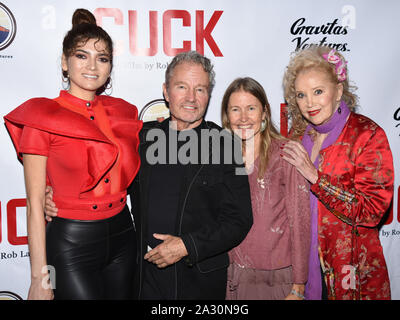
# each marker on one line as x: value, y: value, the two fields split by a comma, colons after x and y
x: 92, y: 260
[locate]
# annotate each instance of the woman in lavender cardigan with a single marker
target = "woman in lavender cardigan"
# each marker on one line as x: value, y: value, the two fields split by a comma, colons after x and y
x: 272, y: 262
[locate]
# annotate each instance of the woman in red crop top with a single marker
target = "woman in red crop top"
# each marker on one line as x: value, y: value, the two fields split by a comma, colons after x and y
x: 85, y: 146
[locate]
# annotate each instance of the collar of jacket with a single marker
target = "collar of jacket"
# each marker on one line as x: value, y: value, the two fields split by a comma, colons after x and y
x: 164, y: 125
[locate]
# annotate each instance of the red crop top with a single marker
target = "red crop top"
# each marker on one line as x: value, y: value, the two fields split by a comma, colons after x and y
x: 91, y: 146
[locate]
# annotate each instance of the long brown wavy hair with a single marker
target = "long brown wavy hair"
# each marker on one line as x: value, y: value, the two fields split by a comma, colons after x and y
x: 253, y: 87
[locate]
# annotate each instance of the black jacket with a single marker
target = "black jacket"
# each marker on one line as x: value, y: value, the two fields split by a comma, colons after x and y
x: 214, y: 216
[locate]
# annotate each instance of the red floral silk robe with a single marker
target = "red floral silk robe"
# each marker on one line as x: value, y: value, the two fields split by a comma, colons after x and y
x: 354, y: 188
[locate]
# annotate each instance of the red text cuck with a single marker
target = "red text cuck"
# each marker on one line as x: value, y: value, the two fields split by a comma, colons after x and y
x: 203, y: 34
x: 389, y: 219
x: 12, y: 222
x: 284, y: 120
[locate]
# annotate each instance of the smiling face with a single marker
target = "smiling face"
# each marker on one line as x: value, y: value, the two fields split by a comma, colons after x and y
x: 245, y: 114
x: 187, y: 95
x: 88, y: 68
x: 317, y: 95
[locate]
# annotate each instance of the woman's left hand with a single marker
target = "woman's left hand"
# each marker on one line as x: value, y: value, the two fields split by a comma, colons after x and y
x: 294, y: 153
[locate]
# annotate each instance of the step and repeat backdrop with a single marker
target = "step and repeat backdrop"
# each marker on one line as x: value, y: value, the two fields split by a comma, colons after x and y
x: 243, y: 38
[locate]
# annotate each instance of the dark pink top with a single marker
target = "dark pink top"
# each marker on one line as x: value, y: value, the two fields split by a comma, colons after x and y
x: 280, y: 235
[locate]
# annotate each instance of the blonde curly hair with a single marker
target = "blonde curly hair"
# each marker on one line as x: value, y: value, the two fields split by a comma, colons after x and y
x: 311, y: 58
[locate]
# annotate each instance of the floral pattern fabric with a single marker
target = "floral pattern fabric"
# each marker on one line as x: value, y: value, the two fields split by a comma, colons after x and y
x: 354, y: 189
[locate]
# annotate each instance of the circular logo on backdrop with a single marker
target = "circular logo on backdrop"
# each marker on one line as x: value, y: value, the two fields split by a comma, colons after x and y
x: 155, y: 110
x: 7, y: 295
x: 8, y: 27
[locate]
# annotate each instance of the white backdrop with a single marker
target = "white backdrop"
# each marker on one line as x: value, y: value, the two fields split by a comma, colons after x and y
x: 247, y: 38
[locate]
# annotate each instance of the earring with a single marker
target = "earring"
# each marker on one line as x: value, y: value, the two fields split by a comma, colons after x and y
x: 65, y: 80
x: 263, y: 125
x: 108, y: 86
x: 339, y: 110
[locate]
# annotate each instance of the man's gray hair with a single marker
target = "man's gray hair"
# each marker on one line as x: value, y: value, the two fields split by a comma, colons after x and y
x: 192, y: 57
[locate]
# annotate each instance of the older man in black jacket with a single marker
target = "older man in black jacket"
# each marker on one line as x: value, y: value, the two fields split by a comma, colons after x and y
x: 191, y: 199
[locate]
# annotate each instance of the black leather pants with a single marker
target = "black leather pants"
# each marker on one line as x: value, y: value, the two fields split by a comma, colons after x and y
x: 92, y: 259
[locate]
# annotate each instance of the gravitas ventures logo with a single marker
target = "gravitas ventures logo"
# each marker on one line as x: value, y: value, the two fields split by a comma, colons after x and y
x: 308, y: 34
x: 8, y: 27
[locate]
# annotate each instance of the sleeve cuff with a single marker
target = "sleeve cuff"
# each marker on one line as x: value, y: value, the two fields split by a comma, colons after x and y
x: 191, y: 258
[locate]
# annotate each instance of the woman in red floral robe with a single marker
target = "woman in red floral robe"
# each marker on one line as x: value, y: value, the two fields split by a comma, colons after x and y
x: 347, y: 160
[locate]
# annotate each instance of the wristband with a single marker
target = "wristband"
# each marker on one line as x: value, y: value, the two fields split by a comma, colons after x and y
x: 297, y: 294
